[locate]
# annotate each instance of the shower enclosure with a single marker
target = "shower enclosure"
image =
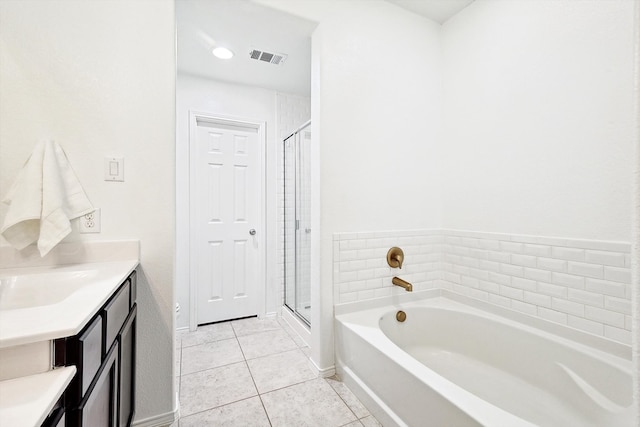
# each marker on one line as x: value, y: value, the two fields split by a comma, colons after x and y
x: 297, y: 222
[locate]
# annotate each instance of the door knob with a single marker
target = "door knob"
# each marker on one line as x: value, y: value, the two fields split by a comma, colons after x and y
x: 252, y: 231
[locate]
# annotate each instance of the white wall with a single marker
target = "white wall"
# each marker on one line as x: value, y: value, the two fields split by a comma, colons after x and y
x: 98, y: 77
x: 538, y: 113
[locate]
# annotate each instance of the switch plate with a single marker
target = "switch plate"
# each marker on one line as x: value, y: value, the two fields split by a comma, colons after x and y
x: 114, y: 169
x: 90, y: 223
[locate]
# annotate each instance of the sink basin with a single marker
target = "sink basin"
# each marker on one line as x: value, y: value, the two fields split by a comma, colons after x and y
x: 42, y: 288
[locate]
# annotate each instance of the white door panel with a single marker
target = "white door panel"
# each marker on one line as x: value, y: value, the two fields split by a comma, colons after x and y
x: 227, y: 206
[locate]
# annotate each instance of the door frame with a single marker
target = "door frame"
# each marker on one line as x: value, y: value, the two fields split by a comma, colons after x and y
x: 260, y: 127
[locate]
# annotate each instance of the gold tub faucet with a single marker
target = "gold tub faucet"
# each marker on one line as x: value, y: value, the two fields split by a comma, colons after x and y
x: 402, y: 283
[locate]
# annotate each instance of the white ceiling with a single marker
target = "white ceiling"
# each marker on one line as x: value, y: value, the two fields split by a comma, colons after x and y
x: 437, y: 10
x: 243, y: 25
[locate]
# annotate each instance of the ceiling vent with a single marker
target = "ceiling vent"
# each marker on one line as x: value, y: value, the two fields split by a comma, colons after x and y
x: 272, y: 58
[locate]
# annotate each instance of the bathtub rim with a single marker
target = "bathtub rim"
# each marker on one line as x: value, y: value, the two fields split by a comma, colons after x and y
x: 366, y: 327
x: 590, y: 340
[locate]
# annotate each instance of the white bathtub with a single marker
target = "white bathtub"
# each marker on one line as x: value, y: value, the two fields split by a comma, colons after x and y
x: 454, y: 364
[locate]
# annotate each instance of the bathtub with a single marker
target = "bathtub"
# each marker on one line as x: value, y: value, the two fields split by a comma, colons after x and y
x: 460, y: 362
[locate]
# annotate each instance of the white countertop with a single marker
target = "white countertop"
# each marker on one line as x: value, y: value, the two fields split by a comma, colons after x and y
x: 60, y: 317
x: 27, y: 401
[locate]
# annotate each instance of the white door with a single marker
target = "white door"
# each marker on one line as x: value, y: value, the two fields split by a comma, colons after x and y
x: 228, y: 211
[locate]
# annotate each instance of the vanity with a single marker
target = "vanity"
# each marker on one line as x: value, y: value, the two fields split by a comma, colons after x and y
x: 68, y: 344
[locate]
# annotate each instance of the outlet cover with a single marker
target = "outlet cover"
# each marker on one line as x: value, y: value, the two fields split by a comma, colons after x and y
x: 90, y: 223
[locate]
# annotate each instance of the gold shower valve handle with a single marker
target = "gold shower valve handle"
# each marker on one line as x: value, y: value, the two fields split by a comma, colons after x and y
x: 395, y: 257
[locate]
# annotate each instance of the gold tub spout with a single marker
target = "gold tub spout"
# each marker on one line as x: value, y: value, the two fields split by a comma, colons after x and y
x: 402, y: 283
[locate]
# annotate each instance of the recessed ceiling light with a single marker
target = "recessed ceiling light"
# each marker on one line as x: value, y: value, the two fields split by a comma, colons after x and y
x: 222, y: 53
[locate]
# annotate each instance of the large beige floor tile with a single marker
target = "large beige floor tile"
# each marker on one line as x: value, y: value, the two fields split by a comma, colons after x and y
x: 207, y: 333
x: 215, y: 387
x: 265, y: 343
x: 210, y: 355
x: 245, y: 413
x: 254, y: 325
x: 352, y: 402
x: 310, y: 404
x: 280, y: 370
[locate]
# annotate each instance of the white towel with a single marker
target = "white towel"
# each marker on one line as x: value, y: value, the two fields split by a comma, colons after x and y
x: 42, y: 200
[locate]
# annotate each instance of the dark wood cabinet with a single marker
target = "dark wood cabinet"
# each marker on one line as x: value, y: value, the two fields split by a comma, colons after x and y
x: 102, y: 394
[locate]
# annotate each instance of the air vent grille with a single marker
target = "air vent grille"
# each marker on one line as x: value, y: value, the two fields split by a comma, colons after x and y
x: 272, y: 58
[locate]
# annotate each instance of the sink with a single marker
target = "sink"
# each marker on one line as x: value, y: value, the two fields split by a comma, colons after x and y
x: 42, y: 288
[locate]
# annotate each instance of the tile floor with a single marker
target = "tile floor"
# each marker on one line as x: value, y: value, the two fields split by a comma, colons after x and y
x: 253, y: 373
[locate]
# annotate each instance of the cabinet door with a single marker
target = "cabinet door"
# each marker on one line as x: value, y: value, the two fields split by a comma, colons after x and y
x: 98, y: 408
x: 127, y: 368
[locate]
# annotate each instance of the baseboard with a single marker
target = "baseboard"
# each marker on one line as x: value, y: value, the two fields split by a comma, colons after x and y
x: 162, y: 420
x: 322, y: 372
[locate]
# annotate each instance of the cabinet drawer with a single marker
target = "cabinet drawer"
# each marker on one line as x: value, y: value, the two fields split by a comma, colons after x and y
x: 115, y: 313
x: 90, y: 349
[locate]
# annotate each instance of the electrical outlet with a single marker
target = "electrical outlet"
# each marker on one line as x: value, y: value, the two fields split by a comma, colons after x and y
x: 90, y: 223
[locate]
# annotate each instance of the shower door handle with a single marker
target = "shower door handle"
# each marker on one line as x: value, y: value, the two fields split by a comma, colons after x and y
x: 252, y: 231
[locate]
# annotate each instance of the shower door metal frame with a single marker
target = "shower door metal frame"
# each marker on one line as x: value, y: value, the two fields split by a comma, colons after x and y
x: 296, y: 155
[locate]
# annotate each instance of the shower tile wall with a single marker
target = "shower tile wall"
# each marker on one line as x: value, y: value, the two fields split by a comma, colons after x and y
x: 360, y: 269
x: 291, y: 112
x: 584, y: 284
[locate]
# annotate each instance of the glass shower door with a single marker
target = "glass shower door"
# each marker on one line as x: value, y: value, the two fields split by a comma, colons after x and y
x: 297, y: 222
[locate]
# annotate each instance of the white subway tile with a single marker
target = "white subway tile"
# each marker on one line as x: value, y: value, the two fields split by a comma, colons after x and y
x: 523, y: 260
x: 622, y: 275
x: 605, y: 287
x: 503, y: 257
x: 478, y: 294
x: 627, y: 260
x: 358, y: 285
x: 469, y: 281
x: 365, y: 274
x: 490, y: 265
x: 348, y: 297
x: 614, y: 259
x: 585, y: 297
x: 371, y: 254
x: 536, y: 250
x: 499, y: 300
x: 512, y: 270
x: 347, y: 276
x: 470, y: 262
x: 512, y: 293
x: 489, y: 286
x: 552, y: 264
x: 537, y: 274
x: 479, y: 274
x: 628, y: 322
x: 605, y: 316
x: 382, y: 292
x: 568, y: 307
x: 553, y: 290
x: 587, y: 270
x: 523, y: 307
x: 568, y: 280
x: 537, y: 299
x: 489, y: 244
x: 382, y: 272
x: 586, y: 325
x: 526, y: 284
x: 469, y: 242
x: 570, y: 254
x: 511, y: 247
x: 374, y: 283
x: 552, y: 315
x: 365, y: 295
x: 348, y: 255
x: 452, y: 277
x: 501, y: 279
x: 617, y: 304
x: 617, y: 334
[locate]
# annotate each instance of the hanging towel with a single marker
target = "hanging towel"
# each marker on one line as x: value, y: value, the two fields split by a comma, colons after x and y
x: 42, y: 200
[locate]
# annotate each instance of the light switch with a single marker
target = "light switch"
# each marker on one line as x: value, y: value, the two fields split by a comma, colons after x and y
x: 114, y: 169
